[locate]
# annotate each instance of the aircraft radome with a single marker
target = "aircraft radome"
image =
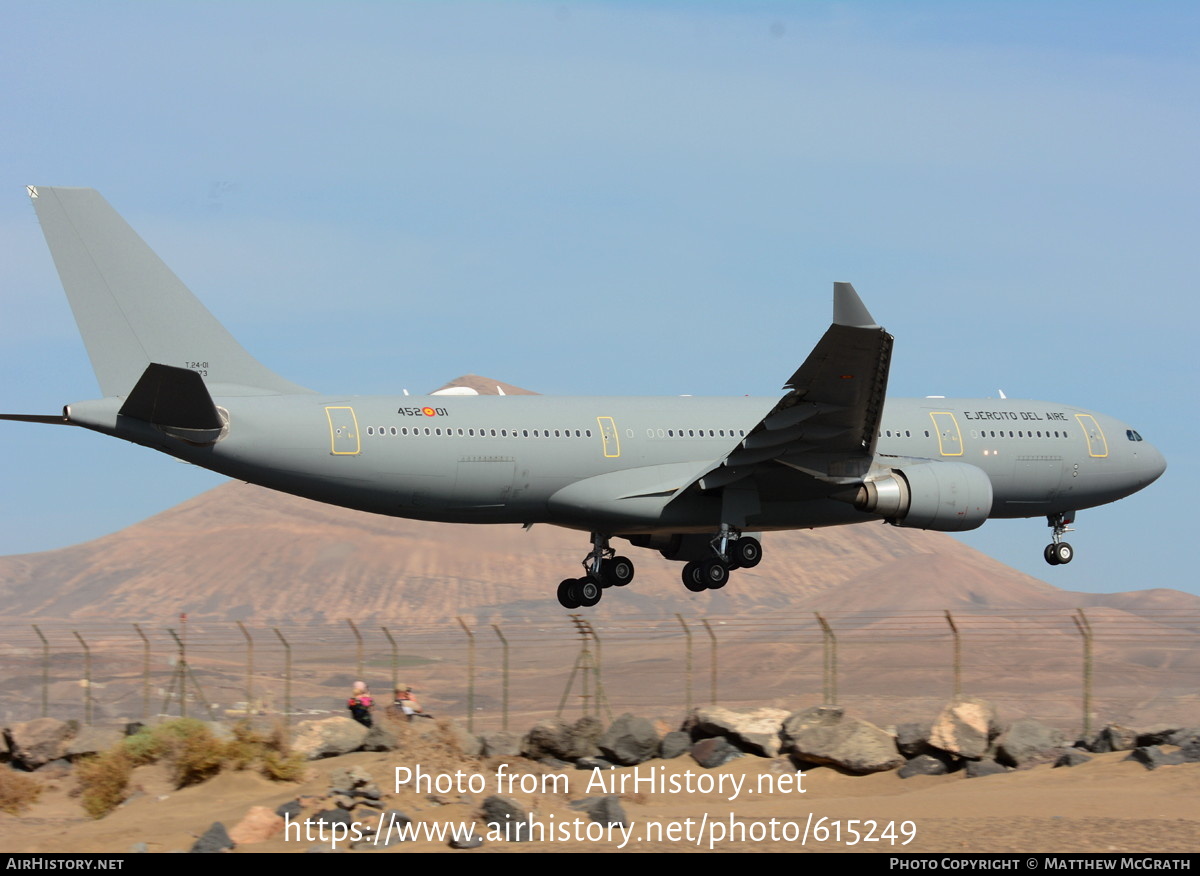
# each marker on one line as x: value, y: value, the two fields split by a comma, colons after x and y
x: 697, y: 479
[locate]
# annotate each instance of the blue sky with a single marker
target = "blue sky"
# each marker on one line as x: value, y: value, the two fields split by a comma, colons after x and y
x: 624, y: 198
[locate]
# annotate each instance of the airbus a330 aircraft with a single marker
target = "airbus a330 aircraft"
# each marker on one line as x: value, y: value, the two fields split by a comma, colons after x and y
x: 697, y: 479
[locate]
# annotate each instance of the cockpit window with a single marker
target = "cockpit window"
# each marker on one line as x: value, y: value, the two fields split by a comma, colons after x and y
x: 1132, y: 435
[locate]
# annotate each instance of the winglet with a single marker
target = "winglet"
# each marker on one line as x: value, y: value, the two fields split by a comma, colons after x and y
x: 849, y: 310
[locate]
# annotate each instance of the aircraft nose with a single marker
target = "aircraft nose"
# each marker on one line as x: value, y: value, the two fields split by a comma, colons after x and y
x: 1150, y: 462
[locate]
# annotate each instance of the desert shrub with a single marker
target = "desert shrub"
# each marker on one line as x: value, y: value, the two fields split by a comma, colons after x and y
x: 103, y: 780
x: 283, y: 767
x: 192, y: 754
x: 196, y: 757
x: 18, y: 791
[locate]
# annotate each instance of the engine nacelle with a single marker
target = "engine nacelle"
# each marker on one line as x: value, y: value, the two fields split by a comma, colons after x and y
x: 944, y: 496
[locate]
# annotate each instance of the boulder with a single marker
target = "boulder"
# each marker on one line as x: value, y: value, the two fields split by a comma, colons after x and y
x: 379, y: 738
x: 965, y: 727
x: 1152, y: 757
x: 1071, y: 757
x: 1027, y: 742
x: 824, y: 735
x: 674, y: 744
x: 984, y: 767
x: 585, y: 736
x: 468, y: 743
x: 1114, y: 737
x: 94, y: 740
x: 328, y: 737
x: 605, y: 810
x: 912, y: 739
x: 215, y: 839
x: 393, y: 826
x: 630, y: 740
x: 344, y: 780
x: 258, y: 825
x: 752, y: 730
x: 499, y: 743
x: 923, y: 765
x: 35, y: 743
x: 550, y: 737
x: 505, y: 816
x: 714, y: 752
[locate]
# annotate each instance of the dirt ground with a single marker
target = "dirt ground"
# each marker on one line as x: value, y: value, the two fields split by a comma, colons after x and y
x: 751, y: 804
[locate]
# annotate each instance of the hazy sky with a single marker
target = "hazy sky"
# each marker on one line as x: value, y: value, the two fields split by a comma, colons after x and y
x: 624, y: 198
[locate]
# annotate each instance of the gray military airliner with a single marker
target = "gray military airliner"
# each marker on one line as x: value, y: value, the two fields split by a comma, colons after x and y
x: 697, y: 479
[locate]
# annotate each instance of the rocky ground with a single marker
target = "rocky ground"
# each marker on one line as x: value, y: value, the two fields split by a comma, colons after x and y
x: 361, y: 801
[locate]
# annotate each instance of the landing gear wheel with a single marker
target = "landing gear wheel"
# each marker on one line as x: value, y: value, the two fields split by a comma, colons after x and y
x: 589, y: 592
x: 1051, y: 555
x: 715, y: 574
x: 617, y: 572
x: 1063, y: 553
x: 568, y: 594
x: 747, y: 552
x: 693, y: 578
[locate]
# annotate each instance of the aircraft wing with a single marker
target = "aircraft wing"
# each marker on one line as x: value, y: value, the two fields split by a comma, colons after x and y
x: 823, y: 431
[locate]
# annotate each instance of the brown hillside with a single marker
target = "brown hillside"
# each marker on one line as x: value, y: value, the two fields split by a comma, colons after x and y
x: 240, y: 551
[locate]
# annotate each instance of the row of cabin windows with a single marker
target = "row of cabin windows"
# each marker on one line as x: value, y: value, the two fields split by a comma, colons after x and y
x: 481, y: 433
x: 548, y: 433
x: 695, y: 433
x: 985, y: 433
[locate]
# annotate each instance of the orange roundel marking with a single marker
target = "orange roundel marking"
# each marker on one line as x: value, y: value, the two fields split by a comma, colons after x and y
x: 429, y: 412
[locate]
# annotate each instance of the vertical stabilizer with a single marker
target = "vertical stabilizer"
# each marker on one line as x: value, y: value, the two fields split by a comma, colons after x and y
x: 131, y: 309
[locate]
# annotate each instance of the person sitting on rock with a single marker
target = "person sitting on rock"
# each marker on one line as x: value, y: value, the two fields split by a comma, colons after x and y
x: 406, y: 704
x: 360, y: 703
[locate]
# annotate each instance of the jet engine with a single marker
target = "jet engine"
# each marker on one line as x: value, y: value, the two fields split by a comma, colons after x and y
x: 944, y: 496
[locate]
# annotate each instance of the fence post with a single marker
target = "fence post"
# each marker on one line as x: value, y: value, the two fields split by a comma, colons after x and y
x: 145, y: 674
x: 957, y: 655
x: 712, y: 661
x: 1084, y: 626
x: 688, y: 664
x: 87, y: 678
x: 287, y: 679
x: 45, y: 672
x: 830, y: 661
x: 504, y: 676
x: 395, y: 659
x: 249, y: 670
x: 470, y: 676
x: 358, y: 651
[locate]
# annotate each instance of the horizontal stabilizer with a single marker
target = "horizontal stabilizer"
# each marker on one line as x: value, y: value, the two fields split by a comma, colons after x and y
x: 51, y: 419
x: 172, y: 397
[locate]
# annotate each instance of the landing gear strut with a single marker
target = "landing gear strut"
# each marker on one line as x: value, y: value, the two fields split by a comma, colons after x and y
x: 732, y: 551
x: 604, y: 569
x: 1058, y: 552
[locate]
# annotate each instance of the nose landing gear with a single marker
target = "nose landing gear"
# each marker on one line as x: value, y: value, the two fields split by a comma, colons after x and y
x: 1058, y: 552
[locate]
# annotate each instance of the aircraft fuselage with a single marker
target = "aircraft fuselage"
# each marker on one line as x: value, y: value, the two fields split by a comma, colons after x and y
x: 489, y: 459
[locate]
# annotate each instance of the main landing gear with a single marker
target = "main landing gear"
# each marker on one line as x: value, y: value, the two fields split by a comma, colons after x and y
x: 732, y: 551
x: 1058, y: 552
x: 604, y: 569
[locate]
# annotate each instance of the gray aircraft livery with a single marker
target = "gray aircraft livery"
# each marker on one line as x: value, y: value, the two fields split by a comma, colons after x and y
x: 697, y: 479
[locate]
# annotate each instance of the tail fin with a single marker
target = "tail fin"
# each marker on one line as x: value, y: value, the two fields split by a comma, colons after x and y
x: 131, y: 309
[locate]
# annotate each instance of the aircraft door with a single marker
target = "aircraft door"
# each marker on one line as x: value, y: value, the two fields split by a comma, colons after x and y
x: 344, y: 439
x: 948, y: 434
x: 608, y: 434
x: 1097, y: 445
